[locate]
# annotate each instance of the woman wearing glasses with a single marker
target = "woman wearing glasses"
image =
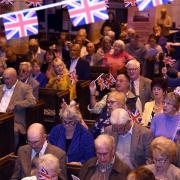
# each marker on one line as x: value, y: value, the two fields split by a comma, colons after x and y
x: 164, y: 151
x: 72, y: 137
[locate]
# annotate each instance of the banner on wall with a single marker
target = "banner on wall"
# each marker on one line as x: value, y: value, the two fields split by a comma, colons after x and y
x: 141, y: 21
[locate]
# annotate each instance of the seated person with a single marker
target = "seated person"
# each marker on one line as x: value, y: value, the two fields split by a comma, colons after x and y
x: 166, y: 124
x: 15, y: 97
x: 37, y: 74
x: 73, y: 137
x: 25, y: 75
x: 118, y: 58
x: 3, y: 66
x: 132, y: 140
x: 114, y: 100
x: 60, y: 79
x: 106, y: 165
x: 47, y: 167
x: 164, y: 151
x: 141, y: 173
x: 37, y: 147
x: 152, y: 108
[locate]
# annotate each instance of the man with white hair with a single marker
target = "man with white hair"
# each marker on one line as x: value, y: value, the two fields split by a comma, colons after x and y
x: 139, y: 85
x: 106, y: 165
x: 25, y: 75
x: 132, y: 140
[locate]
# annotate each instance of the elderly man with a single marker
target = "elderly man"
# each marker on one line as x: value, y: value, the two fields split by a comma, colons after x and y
x: 25, y: 75
x: 139, y: 85
x: 132, y: 140
x: 36, y: 147
x: 106, y: 165
x: 15, y: 96
x: 76, y: 64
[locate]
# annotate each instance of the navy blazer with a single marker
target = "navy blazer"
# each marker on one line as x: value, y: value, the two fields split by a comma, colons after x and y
x: 82, y: 69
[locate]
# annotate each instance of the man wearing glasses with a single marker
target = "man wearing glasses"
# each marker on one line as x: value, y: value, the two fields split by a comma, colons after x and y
x: 132, y: 140
x: 37, y: 146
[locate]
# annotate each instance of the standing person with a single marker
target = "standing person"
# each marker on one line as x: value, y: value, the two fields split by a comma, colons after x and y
x: 37, y: 146
x: 139, y: 85
x: 106, y: 165
x: 164, y: 22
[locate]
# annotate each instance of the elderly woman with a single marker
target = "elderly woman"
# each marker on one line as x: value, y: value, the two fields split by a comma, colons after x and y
x: 164, y: 151
x: 60, y: 79
x: 154, y: 107
x: 167, y: 123
x: 47, y: 167
x: 118, y: 58
x: 72, y: 137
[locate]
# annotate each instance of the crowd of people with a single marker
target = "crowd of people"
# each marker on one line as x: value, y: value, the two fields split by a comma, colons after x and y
x: 136, y: 135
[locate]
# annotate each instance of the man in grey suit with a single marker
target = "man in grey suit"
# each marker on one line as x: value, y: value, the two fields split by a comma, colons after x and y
x: 132, y: 140
x: 25, y: 75
x: 37, y: 146
x: 139, y: 85
x: 15, y: 96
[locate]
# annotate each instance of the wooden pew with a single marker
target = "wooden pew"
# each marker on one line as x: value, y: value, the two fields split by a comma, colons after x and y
x: 35, y: 114
x: 83, y: 96
x: 6, y: 134
x: 52, y: 99
x: 89, y: 122
x: 73, y: 169
x: 97, y: 70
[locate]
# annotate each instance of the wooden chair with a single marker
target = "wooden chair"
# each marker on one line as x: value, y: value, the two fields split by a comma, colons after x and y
x: 89, y: 122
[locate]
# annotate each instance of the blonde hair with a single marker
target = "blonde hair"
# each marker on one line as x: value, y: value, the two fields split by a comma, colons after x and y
x: 49, y: 162
x: 120, y: 43
x: 164, y: 147
x: 58, y: 61
x: 118, y: 96
x: 28, y: 64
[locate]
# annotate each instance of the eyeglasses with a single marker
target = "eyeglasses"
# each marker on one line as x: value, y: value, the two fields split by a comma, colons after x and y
x: 132, y: 69
x: 111, y: 102
x: 32, y: 142
x: 162, y: 161
x: 22, y: 71
x: 72, y: 123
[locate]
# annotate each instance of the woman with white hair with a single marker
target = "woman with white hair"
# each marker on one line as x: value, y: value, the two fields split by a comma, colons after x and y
x: 73, y: 137
x: 164, y: 151
x: 118, y: 58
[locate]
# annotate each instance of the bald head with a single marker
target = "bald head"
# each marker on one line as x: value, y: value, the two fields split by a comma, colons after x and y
x: 10, y: 77
x: 36, y: 136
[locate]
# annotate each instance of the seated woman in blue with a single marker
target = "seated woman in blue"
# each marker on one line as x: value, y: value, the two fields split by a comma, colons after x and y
x: 73, y: 137
x: 167, y: 123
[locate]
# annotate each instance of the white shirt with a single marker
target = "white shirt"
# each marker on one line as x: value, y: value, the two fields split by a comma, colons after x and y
x: 73, y: 65
x: 7, y: 94
x: 33, y: 154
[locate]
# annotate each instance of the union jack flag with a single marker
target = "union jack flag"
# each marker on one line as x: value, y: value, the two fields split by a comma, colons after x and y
x: 73, y: 77
x: 143, y: 4
x: 129, y: 3
x: 87, y: 11
x: 20, y: 24
x: 109, y: 81
x: 43, y: 174
x: 101, y: 83
x: 135, y: 116
x: 169, y: 61
x: 7, y: 2
x: 34, y: 3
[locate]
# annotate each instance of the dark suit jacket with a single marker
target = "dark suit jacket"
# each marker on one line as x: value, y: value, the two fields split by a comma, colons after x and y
x: 144, y: 90
x: 22, y: 98
x: 82, y: 69
x: 119, y: 170
x: 23, y: 162
x: 140, y: 144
